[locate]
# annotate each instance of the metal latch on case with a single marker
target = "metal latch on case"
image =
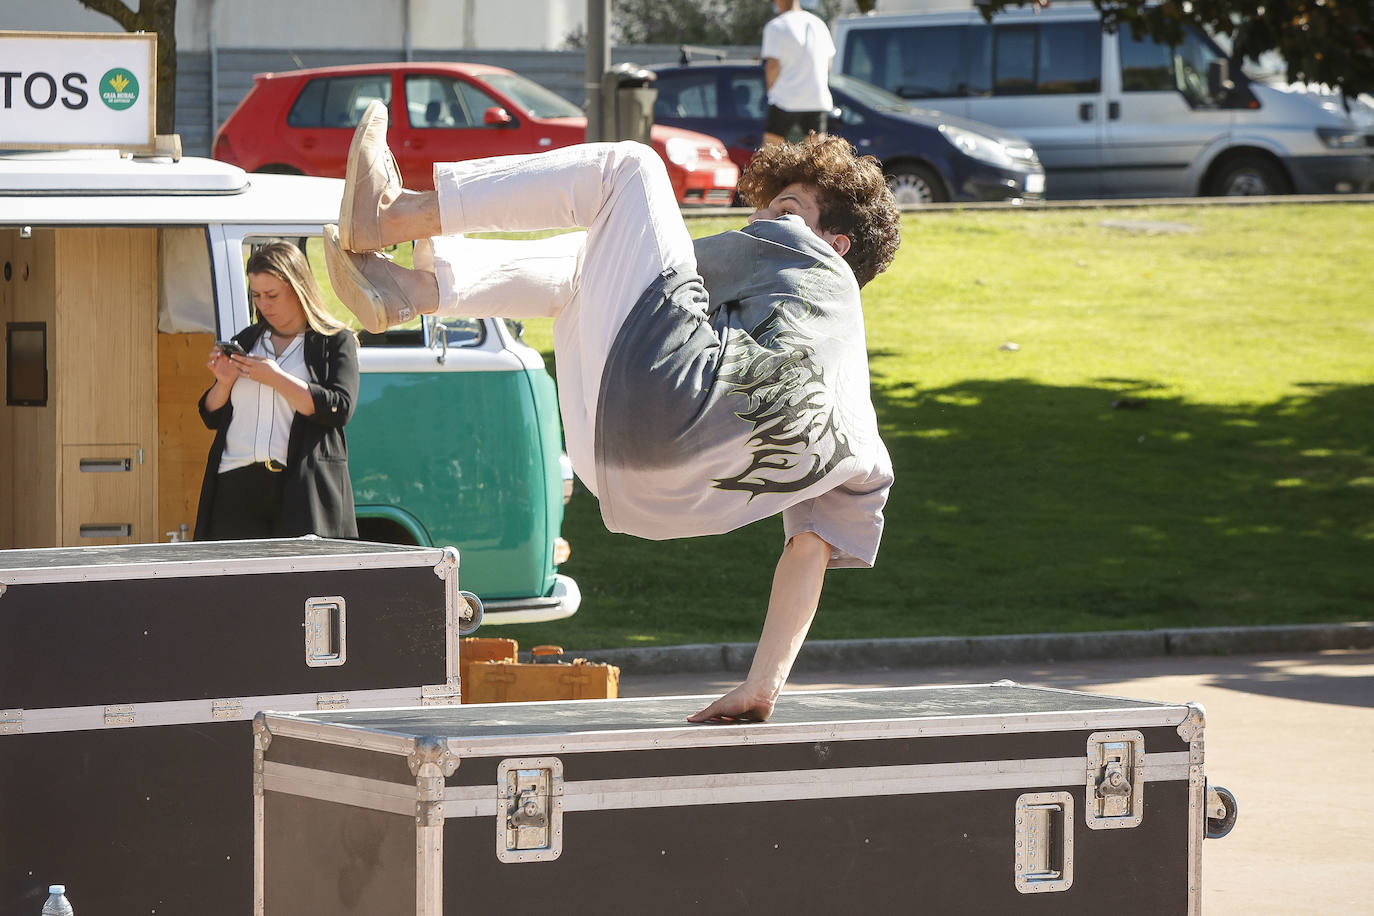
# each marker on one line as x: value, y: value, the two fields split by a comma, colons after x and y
x: 530, y: 825
x: 1115, y: 779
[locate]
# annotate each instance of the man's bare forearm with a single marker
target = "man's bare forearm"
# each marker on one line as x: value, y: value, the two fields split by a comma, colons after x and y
x: 792, y: 604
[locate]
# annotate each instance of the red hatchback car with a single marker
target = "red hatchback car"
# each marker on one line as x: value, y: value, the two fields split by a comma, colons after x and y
x: 301, y: 121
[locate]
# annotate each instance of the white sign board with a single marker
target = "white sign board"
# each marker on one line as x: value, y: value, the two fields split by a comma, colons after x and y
x: 68, y: 89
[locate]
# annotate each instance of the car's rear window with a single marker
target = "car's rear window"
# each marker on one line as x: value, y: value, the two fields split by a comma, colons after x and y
x: 338, y: 101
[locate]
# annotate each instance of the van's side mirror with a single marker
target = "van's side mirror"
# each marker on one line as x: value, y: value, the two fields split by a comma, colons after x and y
x: 496, y: 117
x: 1219, y: 83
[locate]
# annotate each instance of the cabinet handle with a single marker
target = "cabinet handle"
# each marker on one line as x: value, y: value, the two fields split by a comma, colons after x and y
x: 104, y: 465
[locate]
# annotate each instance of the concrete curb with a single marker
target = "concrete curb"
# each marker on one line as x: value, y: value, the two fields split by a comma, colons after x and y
x: 920, y: 652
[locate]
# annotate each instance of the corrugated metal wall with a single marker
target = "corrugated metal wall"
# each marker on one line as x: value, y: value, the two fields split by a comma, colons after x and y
x: 561, y: 71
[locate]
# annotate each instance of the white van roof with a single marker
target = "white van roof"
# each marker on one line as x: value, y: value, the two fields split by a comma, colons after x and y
x: 102, y: 187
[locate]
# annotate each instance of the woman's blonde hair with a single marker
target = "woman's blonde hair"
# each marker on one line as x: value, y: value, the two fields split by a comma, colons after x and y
x: 285, y: 261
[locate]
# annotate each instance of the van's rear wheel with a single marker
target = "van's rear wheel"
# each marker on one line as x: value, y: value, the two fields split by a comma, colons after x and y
x: 1248, y: 176
x: 915, y: 185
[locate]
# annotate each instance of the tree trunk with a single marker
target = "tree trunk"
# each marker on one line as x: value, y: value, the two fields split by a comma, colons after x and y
x: 158, y: 16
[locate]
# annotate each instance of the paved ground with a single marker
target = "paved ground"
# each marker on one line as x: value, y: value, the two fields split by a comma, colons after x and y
x: 1291, y: 735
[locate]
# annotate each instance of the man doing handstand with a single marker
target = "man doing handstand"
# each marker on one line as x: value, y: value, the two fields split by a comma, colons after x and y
x: 702, y: 385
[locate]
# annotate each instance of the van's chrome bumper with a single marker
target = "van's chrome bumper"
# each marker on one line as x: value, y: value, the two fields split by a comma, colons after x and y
x: 562, y: 602
x: 1352, y: 174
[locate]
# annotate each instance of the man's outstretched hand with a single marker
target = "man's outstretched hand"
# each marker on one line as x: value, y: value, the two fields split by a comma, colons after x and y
x: 791, y: 605
x: 743, y: 704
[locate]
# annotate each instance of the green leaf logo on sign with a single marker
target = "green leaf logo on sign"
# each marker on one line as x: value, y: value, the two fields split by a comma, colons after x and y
x: 118, y: 89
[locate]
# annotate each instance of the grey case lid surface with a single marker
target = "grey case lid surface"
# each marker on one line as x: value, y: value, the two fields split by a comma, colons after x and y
x: 984, y: 707
x: 204, y: 558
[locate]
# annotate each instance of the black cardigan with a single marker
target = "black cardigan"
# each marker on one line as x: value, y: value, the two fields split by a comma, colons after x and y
x: 318, y: 497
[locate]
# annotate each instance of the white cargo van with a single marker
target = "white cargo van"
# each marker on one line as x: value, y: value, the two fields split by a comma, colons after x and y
x: 1109, y: 114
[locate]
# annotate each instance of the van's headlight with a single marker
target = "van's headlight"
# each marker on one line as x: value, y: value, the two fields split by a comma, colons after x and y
x: 978, y: 146
x: 683, y: 152
x: 1340, y: 137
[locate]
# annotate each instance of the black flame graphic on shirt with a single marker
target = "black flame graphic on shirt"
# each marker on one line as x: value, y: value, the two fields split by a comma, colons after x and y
x: 796, y: 439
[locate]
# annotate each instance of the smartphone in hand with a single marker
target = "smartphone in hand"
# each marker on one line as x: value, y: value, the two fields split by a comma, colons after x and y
x: 230, y: 348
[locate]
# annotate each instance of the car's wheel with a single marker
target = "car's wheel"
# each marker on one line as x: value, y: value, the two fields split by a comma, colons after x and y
x: 1248, y: 176
x: 915, y: 185
x: 278, y: 168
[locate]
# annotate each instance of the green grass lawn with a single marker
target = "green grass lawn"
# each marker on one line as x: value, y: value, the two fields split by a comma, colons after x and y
x: 1181, y: 436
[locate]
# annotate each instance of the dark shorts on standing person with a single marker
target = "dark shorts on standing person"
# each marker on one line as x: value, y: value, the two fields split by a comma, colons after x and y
x: 793, y: 126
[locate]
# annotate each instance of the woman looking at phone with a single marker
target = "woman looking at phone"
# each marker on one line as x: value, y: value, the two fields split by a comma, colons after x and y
x: 284, y: 388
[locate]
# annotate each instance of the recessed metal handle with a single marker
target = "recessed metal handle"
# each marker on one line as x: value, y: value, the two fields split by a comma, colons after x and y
x: 107, y: 531
x: 1044, y: 842
x: 104, y: 465
x: 326, y: 642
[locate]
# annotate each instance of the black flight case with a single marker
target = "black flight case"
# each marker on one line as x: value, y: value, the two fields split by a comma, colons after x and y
x: 982, y: 799
x: 129, y: 678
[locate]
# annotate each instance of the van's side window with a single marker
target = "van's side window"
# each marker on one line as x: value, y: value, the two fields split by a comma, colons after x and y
x: 338, y: 101
x: 1148, y: 66
x: 1014, y: 60
x: 916, y: 63
x: 1070, y: 58
x: 1047, y: 58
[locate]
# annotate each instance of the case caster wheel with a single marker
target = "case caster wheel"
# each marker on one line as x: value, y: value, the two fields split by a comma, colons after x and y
x: 470, y: 617
x: 1221, y: 812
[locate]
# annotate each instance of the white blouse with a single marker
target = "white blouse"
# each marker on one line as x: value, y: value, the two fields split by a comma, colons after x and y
x: 261, y: 425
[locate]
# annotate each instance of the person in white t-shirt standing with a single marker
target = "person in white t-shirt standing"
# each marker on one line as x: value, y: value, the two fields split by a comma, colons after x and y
x: 797, y: 51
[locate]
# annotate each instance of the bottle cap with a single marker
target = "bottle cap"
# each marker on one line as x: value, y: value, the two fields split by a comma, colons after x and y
x: 57, y: 888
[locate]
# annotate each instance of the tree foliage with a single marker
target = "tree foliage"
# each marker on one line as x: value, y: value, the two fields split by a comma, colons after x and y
x: 1322, y: 41
x: 158, y: 16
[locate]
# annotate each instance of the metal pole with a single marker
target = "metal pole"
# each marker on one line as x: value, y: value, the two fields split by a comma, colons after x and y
x: 406, y: 38
x: 598, y: 59
x: 214, y: 76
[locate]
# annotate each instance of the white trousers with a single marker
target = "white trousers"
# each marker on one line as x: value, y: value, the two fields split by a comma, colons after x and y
x: 586, y: 281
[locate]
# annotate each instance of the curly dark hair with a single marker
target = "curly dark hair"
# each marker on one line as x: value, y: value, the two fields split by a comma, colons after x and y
x: 853, y: 195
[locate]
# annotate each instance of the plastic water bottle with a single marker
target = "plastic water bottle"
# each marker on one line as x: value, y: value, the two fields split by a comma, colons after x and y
x: 57, y: 904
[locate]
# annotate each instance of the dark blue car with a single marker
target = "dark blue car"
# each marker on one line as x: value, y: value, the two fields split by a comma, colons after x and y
x: 928, y: 156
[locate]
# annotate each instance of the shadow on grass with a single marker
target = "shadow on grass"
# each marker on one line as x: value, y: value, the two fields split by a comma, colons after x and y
x: 1025, y: 507
x: 1022, y: 507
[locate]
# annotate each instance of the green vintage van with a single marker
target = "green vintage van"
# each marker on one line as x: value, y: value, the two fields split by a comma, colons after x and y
x: 455, y: 439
